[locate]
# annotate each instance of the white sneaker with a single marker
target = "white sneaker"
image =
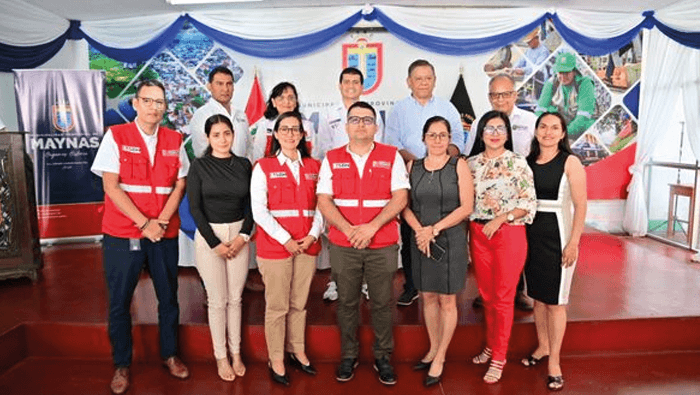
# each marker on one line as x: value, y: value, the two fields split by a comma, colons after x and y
x: 331, y: 293
x: 365, y: 291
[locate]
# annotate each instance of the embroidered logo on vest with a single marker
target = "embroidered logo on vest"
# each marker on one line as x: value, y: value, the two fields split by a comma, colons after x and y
x: 311, y: 176
x: 133, y: 150
x: 381, y: 164
x: 172, y: 152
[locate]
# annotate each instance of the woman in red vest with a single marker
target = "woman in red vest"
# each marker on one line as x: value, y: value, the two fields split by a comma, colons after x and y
x: 283, y: 98
x: 283, y: 201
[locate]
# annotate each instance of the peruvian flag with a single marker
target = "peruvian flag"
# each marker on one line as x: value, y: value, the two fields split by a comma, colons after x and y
x: 255, y: 108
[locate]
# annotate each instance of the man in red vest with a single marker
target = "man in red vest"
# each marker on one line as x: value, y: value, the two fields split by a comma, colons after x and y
x: 362, y: 188
x: 143, y: 168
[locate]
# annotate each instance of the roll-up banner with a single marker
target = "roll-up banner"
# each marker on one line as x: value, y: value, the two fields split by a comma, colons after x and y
x: 63, y: 112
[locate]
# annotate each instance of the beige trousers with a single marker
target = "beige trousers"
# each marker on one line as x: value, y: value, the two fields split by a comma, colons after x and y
x: 224, y: 281
x: 287, y: 282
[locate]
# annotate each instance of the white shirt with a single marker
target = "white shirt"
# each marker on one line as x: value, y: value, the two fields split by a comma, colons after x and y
x: 399, y: 175
x: 522, y: 124
x: 107, y: 157
x: 213, y: 107
x: 261, y: 211
x: 331, y: 129
x: 257, y: 138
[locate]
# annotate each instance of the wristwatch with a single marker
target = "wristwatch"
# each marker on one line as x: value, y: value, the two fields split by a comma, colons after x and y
x: 436, y: 231
x: 510, y: 217
x: 245, y: 237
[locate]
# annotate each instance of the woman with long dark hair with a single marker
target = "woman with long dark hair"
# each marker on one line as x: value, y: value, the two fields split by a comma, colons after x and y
x: 283, y: 98
x: 504, y: 202
x: 442, y: 197
x: 219, y: 195
x: 553, y: 237
x: 283, y: 188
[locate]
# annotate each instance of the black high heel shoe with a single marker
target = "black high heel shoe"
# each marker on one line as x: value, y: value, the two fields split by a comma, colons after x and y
x: 278, y: 378
x: 555, y: 383
x: 532, y: 361
x: 422, y: 365
x: 430, y: 380
x: 308, y: 369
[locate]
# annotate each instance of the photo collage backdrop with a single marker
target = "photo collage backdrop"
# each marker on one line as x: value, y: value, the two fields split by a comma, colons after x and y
x: 610, y: 125
x: 609, y: 122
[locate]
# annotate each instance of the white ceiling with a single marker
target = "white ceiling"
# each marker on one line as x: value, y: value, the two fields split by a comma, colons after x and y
x: 109, y: 9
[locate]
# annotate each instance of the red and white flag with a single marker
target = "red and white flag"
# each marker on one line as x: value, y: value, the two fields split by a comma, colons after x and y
x: 255, y: 108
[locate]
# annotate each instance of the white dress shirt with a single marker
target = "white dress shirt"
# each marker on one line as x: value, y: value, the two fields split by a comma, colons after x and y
x: 238, y: 119
x: 257, y: 138
x: 261, y: 211
x: 331, y: 129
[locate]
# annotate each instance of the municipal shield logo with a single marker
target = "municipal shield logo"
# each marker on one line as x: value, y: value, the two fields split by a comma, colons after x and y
x: 368, y: 58
x: 62, y: 118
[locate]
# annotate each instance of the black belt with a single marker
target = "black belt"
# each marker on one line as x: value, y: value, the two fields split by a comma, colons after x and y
x: 481, y: 221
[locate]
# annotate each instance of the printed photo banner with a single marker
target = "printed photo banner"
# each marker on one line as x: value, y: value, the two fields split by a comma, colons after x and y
x: 63, y: 112
x: 600, y: 103
x: 598, y: 95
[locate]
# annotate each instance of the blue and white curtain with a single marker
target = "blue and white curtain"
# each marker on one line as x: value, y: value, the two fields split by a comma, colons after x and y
x: 30, y: 36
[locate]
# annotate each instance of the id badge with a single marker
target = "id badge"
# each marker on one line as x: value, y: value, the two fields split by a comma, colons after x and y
x: 134, y: 244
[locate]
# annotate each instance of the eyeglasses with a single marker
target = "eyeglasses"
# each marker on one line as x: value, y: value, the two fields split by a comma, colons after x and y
x: 148, y: 102
x: 284, y: 130
x: 355, y: 120
x: 501, y: 95
x: 499, y: 130
x: 435, y: 136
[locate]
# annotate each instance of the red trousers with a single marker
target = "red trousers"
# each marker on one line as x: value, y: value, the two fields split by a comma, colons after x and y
x: 498, y: 263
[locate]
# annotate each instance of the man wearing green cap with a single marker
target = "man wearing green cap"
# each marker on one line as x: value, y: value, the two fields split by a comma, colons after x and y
x: 570, y: 93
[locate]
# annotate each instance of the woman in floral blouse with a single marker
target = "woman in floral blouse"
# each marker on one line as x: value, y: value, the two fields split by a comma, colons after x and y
x: 504, y: 202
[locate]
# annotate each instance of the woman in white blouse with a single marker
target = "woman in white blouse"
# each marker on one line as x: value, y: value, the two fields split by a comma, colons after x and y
x: 504, y: 202
x: 283, y: 201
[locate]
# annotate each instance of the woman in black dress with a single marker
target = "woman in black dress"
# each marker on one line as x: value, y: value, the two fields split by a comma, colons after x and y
x: 553, y: 237
x: 442, y: 197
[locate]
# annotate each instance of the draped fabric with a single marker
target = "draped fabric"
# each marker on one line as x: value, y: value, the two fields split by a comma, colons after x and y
x: 26, y: 25
x: 29, y: 35
x: 281, y: 47
x: 673, y: 70
x: 264, y: 25
x: 607, y: 33
x: 144, y: 51
x: 454, y: 46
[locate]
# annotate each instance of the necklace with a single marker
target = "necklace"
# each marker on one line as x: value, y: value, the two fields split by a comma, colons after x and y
x: 432, y: 172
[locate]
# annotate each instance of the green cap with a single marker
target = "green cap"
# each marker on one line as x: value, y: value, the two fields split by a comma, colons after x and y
x: 566, y: 62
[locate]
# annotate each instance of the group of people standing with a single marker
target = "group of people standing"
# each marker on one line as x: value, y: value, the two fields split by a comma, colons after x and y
x: 349, y: 184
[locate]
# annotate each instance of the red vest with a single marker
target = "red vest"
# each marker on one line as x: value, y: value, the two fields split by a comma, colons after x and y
x: 268, y: 146
x: 147, y: 186
x: 292, y: 205
x: 362, y: 199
